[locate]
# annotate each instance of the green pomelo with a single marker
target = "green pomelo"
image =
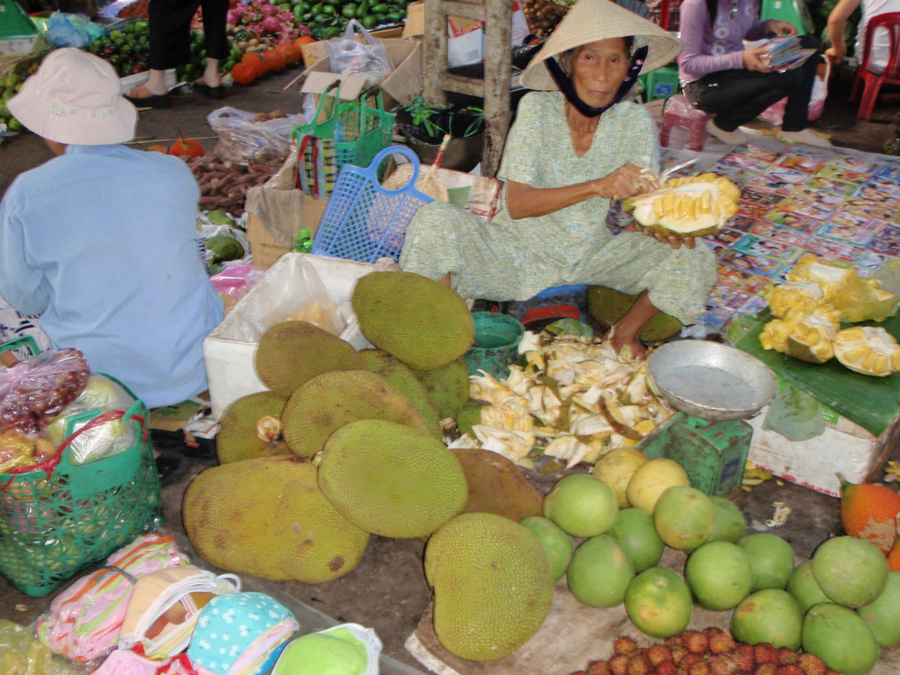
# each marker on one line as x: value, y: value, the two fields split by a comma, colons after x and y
x: 771, y: 615
x: 401, y: 378
x: 635, y: 532
x: 651, y: 479
x: 492, y: 585
x: 730, y: 522
x: 771, y: 557
x: 583, y: 506
x: 600, y: 572
x: 419, y: 321
x: 883, y: 613
x: 616, y: 469
x: 850, y: 571
x: 719, y: 575
x: 659, y: 602
x: 292, y: 352
x: 239, y: 437
x: 391, y: 480
x: 556, y: 543
x: 841, y: 638
x: 267, y: 518
x: 496, y: 485
x: 803, y: 586
x: 684, y: 518
x: 608, y: 305
x: 447, y: 388
x: 328, y: 401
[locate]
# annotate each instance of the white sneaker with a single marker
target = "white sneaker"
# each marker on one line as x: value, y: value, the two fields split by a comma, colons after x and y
x: 736, y: 137
x: 806, y: 137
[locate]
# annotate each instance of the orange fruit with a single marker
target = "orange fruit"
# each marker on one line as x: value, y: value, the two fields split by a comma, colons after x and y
x: 290, y: 53
x: 869, y: 512
x: 255, y: 61
x: 159, y: 148
x: 303, y: 40
x: 188, y: 147
x: 243, y: 73
x: 274, y: 60
x: 894, y: 558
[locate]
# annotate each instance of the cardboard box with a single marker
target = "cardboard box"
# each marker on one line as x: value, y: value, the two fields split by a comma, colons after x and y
x: 266, y: 249
x: 227, y: 352
x: 466, y: 40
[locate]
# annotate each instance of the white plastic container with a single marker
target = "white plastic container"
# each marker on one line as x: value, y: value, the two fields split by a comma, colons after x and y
x: 229, y: 355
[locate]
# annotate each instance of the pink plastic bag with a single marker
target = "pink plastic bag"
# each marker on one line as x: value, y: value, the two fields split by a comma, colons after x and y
x: 233, y: 282
x: 774, y: 114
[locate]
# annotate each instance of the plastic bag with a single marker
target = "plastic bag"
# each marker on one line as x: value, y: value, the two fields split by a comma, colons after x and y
x: 795, y: 415
x: 71, y: 30
x: 233, y: 282
x: 774, y: 114
x: 241, y: 139
x: 368, y: 58
x: 21, y: 654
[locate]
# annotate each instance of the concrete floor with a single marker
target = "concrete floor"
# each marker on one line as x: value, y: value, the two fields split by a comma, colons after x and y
x: 387, y: 590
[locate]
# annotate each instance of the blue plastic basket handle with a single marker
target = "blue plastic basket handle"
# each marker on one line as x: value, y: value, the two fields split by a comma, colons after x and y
x: 371, y: 172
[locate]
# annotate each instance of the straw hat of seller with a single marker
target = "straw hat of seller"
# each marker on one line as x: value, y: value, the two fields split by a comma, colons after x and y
x: 592, y: 20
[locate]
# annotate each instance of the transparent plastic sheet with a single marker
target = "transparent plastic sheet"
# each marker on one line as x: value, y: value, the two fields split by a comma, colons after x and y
x: 102, y: 394
x: 22, y: 654
x: 245, y: 141
x: 38, y: 388
x: 795, y: 415
x: 303, y: 297
x: 349, y: 56
x: 858, y: 301
x: 233, y: 282
x: 71, y: 30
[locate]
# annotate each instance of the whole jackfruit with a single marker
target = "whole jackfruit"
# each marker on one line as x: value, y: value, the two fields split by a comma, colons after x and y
x: 404, y: 380
x: 447, y: 388
x: 292, y: 352
x: 419, y: 321
x: 391, y: 480
x: 496, y: 485
x: 222, y: 248
x: 267, y: 518
x: 251, y: 427
x: 687, y: 207
x: 328, y: 401
x: 492, y: 585
x: 868, y: 350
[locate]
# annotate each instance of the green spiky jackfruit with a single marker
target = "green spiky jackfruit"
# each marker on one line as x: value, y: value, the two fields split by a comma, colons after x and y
x: 251, y: 427
x: 391, y: 480
x: 468, y: 417
x: 419, y: 321
x: 292, y: 352
x: 492, y: 585
x: 329, y: 401
x: 267, y: 518
x: 447, y: 387
x: 404, y: 380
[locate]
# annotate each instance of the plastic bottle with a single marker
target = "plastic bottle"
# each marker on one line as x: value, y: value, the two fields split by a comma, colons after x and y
x: 303, y: 241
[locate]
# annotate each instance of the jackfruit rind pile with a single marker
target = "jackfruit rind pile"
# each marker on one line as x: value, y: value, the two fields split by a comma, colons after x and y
x: 268, y: 518
x: 809, y: 310
x: 693, y: 206
x: 417, y: 320
x: 381, y: 476
x: 576, y: 398
x: 492, y: 585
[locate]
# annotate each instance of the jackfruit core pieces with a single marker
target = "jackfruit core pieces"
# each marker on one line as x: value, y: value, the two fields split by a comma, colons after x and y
x: 688, y: 209
x: 492, y: 585
x: 868, y: 350
x: 391, y: 480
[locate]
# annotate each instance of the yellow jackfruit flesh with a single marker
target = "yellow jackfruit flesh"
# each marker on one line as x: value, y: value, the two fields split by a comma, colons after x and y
x: 688, y: 207
x: 775, y: 334
x: 812, y: 339
x: 868, y: 350
x: 801, y: 296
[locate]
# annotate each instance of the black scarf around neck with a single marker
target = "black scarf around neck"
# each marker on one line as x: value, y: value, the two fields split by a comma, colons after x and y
x: 564, y: 82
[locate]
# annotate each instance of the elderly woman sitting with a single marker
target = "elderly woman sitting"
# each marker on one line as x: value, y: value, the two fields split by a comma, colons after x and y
x: 573, y: 149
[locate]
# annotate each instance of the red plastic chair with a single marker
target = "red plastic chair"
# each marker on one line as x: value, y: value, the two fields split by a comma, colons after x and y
x: 872, y: 81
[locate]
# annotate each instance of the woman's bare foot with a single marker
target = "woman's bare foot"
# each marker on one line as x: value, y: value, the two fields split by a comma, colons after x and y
x: 143, y: 91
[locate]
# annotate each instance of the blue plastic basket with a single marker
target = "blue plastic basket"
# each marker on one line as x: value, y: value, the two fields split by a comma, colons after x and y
x: 363, y: 221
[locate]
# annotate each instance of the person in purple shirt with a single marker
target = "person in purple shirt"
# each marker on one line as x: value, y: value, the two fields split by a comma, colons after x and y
x: 720, y: 76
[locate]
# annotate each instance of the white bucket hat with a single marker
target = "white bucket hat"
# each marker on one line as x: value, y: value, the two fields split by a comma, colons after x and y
x: 592, y: 20
x: 75, y: 98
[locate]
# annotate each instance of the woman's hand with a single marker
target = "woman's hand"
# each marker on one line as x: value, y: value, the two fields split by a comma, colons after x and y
x: 753, y: 59
x: 780, y: 28
x: 626, y: 181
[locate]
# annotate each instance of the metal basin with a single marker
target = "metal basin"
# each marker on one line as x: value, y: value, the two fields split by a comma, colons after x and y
x: 711, y: 380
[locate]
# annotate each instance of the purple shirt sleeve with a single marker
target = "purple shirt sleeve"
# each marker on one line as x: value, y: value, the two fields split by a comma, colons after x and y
x: 707, y: 51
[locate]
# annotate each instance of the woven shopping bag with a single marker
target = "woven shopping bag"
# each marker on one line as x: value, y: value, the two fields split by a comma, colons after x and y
x: 364, y: 221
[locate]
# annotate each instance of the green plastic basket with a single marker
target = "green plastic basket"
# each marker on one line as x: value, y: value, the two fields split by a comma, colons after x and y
x: 56, y: 520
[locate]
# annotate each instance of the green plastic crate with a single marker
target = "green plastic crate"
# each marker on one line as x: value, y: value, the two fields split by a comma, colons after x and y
x: 713, y: 454
x: 661, y: 83
x: 15, y: 24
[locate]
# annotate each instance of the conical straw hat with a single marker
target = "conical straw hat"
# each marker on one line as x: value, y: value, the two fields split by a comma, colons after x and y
x: 592, y: 20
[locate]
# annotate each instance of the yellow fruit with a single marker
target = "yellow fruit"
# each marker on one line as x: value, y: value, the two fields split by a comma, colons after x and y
x: 804, y: 296
x: 688, y: 207
x: 867, y: 350
x: 653, y: 478
x: 616, y: 469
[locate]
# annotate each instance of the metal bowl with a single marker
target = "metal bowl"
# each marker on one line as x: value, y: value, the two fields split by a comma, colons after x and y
x: 711, y: 380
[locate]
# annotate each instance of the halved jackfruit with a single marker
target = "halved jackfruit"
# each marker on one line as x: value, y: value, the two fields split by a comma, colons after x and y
x: 687, y: 207
x: 812, y: 339
x: 774, y: 334
x: 798, y: 296
x: 868, y: 350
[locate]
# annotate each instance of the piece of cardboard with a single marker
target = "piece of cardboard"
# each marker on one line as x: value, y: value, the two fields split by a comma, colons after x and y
x: 317, y: 82
x: 415, y: 20
x: 466, y: 42
x: 265, y: 249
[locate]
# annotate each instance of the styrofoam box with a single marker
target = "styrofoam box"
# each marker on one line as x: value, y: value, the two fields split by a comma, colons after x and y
x: 229, y: 357
x: 843, y: 447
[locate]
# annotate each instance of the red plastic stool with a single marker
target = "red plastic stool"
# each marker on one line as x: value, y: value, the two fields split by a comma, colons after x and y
x: 678, y: 112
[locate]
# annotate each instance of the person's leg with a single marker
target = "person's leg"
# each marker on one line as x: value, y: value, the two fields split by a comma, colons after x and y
x: 215, y: 15
x: 625, y: 332
x: 170, y: 43
x: 737, y: 97
x: 796, y: 112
